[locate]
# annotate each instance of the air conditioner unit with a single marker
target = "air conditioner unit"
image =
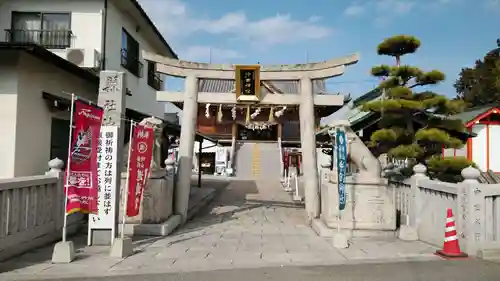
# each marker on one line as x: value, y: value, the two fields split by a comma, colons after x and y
x: 90, y: 58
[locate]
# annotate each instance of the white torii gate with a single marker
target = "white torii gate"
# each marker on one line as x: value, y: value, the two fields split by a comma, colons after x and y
x: 305, y: 73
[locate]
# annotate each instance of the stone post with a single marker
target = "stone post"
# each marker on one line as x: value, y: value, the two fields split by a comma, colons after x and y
x: 232, y: 152
x: 280, y: 147
x: 56, y: 169
x: 186, y: 147
x: 308, y: 147
x: 169, y: 167
x: 409, y: 230
x: 112, y: 98
x: 231, y: 164
x: 470, y: 213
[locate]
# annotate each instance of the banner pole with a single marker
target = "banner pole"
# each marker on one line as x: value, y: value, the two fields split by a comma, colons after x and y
x: 126, y: 187
x: 68, y: 168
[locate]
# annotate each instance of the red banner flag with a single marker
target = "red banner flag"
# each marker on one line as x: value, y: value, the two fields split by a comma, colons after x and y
x: 81, y: 174
x: 139, y: 167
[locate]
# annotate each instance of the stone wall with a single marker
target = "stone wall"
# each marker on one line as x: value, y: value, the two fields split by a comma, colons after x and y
x: 422, y: 208
x: 32, y: 212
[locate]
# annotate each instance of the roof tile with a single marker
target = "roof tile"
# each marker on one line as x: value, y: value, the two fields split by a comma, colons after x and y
x: 285, y: 86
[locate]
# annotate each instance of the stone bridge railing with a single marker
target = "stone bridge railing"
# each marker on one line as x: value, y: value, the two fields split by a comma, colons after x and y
x: 32, y: 211
x: 422, y: 203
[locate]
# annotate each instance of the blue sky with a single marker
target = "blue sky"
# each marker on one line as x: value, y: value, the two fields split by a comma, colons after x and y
x: 454, y: 33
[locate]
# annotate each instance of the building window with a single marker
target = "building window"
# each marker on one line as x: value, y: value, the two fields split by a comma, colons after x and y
x: 130, y: 54
x: 50, y: 30
x: 154, y: 79
x: 59, y: 139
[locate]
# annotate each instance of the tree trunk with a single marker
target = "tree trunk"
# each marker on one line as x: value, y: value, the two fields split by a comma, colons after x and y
x: 409, y: 123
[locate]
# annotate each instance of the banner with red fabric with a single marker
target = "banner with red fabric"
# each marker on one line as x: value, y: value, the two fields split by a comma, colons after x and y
x: 81, y: 174
x: 141, y: 154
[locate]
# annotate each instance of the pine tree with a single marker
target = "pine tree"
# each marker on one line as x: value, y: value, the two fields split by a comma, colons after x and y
x: 401, y: 105
x: 480, y: 85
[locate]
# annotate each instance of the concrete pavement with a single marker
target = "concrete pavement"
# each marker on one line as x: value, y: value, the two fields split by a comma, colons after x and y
x: 465, y: 270
x: 248, y: 226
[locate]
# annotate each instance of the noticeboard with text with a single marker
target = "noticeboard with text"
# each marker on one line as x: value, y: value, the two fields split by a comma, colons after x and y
x: 247, y: 83
x: 107, y: 153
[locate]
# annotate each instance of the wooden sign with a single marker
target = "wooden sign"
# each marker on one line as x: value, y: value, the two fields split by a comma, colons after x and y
x: 247, y: 83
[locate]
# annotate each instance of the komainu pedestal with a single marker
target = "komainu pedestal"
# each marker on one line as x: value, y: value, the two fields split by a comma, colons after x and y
x: 155, y: 216
x: 369, y: 209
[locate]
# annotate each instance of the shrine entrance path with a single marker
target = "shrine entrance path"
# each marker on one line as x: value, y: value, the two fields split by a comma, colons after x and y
x: 255, y: 224
x: 248, y: 225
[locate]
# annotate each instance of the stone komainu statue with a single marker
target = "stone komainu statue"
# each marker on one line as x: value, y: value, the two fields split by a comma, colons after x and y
x: 165, y: 143
x: 162, y: 141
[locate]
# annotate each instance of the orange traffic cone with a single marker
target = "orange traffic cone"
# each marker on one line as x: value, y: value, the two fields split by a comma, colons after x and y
x: 451, y: 249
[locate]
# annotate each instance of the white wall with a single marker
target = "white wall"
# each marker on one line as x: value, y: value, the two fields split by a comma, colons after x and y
x: 8, y: 104
x: 479, y: 145
x: 86, y: 18
x: 143, y: 97
x: 33, y: 126
x: 494, y: 150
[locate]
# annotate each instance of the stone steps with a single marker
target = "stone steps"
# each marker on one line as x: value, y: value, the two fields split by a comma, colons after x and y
x: 256, y: 160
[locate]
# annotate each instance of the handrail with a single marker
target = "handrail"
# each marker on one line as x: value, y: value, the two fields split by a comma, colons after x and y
x: 22, y: 182
x: 48, y: 38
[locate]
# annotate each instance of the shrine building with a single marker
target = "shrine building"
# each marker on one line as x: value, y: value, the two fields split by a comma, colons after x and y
x: 484, y: 123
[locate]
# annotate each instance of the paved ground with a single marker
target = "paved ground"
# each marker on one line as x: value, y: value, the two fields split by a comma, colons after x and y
x: 245, y: 227
x: 415, y: 271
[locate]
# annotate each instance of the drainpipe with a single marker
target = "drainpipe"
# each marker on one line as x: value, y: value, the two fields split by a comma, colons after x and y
x: 103, y: 37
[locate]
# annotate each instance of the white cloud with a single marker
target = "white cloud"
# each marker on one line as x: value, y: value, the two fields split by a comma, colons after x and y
x: 270, y: 31
x: 207, y: 53
x: 395, y: 7
x: 177, y: 21
x: 492, y: 4
x: 385, y: 12
x: 355, y: 10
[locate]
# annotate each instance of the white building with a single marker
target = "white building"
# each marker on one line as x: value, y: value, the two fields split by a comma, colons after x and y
x: 55, y: 47
x: 107, y: 34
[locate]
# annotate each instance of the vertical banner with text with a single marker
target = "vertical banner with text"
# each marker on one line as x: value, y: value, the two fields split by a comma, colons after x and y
x: 139, y: 167
x: 81, y: 174
x: 341, y: 142
x: 107, y: 178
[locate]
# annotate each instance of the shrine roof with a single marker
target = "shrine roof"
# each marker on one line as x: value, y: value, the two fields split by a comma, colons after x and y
x: 371, y: 95
x: 282, y: 86
x: 475, y: 114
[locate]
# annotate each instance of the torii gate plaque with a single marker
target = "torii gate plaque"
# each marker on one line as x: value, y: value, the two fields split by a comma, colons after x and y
x: 247, y: 83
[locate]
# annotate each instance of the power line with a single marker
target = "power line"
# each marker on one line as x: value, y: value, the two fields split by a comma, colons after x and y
x: 352, y: 82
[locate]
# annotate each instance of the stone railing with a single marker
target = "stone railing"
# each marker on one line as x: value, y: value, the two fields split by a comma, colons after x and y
x: 422, y: 204
x: 402, y: 201
x: 32, y: 211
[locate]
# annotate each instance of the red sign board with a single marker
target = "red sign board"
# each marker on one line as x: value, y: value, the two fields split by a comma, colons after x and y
x: 139, y: 167
x: 81, y: 173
